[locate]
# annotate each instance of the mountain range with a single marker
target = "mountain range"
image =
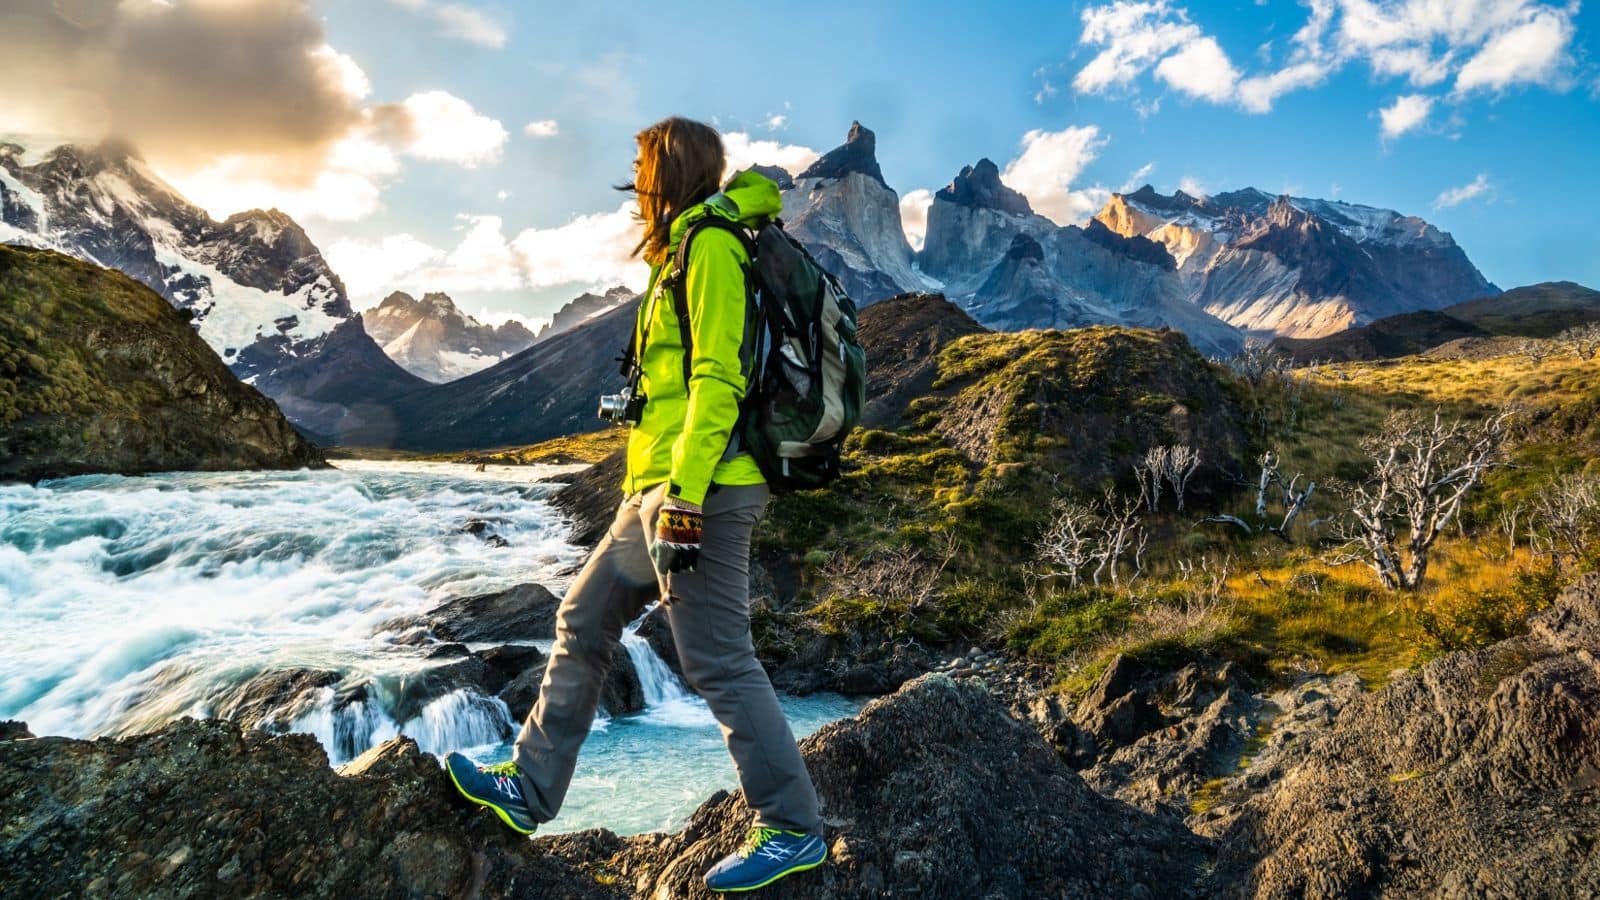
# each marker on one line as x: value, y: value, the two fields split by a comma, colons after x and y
x: 434, y: 340
x: 1222, y: 269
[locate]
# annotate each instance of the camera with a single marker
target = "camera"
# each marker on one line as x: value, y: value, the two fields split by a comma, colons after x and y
x: 624, y: 408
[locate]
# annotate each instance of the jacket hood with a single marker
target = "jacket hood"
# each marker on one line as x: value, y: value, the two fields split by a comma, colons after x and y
x: 749, y: 198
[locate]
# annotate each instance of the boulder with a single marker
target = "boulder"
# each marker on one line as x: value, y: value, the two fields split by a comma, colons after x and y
x: 620, y: 695
x: 526, y: 612
x: 935, y: 792
x: 273, y: 698
x: 1477, y: 776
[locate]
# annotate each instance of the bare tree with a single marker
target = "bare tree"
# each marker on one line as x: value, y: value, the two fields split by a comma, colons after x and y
x: 1584, y: 340
x: 1423, y: 468
x: 1535, y: 350
x: 1182, y: 462
x: 1294, y: 499
x: 1072, y: 542
x: 1100, y: 539
x: 1173, y: 466
x: 1569, y: 514
x: 1259, y: 362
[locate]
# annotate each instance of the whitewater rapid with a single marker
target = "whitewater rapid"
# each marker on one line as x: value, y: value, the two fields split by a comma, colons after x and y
x: 131, y: 602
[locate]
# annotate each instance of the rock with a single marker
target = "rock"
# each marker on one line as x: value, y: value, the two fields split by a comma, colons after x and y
x: 274, y: 699
x: 208, y: 809
x: 591, y: 498
x: 1478, y: 775
x: 935, y: 792
x: 12, y: 730
x: 620, y: 695
x: 858, y: 153
x: 657, y: 632
x: 526, y: 612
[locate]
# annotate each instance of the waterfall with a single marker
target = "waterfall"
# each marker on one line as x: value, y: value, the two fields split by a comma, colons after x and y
x: 666, y: 700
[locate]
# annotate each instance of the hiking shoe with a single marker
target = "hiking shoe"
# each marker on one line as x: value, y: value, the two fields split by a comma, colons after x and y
x: 767, y: 855
x: 497, y: 787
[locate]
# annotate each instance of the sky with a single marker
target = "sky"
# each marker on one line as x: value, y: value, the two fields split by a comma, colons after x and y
x: 471, y: 146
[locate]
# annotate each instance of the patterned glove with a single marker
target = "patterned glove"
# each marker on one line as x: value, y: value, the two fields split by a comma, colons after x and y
x: 676, y: 547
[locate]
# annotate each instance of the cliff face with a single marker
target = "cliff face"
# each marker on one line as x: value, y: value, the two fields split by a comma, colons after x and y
x: 99, y: 374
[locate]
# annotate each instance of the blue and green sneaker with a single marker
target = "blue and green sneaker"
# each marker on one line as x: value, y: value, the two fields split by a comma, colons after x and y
x: 767, y: 855
x: 497, y: 787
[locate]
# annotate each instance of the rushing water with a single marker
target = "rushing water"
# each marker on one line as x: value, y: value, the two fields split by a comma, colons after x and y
x: 130, y: 602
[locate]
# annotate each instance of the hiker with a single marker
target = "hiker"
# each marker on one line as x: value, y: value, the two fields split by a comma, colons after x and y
x: 682, y: 532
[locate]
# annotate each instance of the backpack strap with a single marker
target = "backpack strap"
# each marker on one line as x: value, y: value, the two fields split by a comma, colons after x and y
x: 677, y: 279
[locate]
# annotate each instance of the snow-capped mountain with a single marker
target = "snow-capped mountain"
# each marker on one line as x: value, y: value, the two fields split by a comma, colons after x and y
x: 258, y: 290
x: 1011, y: 268
x: 1298, y: 267
x: 433, y: 339
x: 584, y: 308
x: 849, y: 218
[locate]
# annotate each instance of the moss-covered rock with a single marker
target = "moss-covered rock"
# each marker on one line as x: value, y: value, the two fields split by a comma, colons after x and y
x: 99, y: 374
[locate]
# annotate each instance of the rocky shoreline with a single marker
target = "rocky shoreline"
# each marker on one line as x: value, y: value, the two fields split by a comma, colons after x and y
x: 1477, y: 775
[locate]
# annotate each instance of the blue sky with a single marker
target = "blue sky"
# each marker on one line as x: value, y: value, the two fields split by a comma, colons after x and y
x: 1114, y: 93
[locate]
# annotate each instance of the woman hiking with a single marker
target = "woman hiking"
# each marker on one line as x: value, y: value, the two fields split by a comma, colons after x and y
x: 682, y: 532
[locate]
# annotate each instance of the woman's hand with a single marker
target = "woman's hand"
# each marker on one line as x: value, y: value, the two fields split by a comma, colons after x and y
x: 676, y: 545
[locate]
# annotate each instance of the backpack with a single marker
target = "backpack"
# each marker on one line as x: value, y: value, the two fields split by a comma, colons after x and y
x: 809, y: 376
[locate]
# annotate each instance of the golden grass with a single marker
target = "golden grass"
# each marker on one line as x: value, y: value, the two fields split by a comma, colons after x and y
x: 1497, y: 382
x: 588, y: 447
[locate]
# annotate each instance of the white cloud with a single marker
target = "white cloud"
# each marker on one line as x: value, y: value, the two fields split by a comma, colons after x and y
x: 1191, y: 185
x: 1406, y: 113
x: 1531, y: 53
x: 461, y: 21
x: 591, y: 252
x: 777, y: 121
x: 742, y: 152
x: 445, y: 128
x: 1135, y: 35
x: 914, y: 215
x: 502, y: 195
x: 1486, y: 45
x: 1456, y: 196
x: 1258, y: 93
x: 542, y: 128
x: 1049, y: 163
x: 1200, y: 69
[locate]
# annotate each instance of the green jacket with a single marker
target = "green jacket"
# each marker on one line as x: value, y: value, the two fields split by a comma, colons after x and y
x: 684, y: 430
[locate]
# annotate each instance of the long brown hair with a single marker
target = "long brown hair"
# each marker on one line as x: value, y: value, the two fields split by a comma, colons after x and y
x: 680, y: 164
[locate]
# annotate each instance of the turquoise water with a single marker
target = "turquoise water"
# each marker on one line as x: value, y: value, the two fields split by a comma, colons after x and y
x: 131, y: 602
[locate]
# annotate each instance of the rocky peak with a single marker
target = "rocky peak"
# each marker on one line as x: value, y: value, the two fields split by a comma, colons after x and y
x: 1284, y: 214
x: 979, y: 186
x: 778, y: 174
x: 858, y: 153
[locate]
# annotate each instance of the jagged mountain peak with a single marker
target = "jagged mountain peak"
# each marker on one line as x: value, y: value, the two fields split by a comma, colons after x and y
x: 434, y: 339
x: 858, y: 153
x: 979, y: 186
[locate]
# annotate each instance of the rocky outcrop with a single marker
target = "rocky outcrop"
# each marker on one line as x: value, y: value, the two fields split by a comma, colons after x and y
x: 255, y: 286
x: 99, y: 374
x: 979, y: 186
x: 1478, y: 775
x: 434, y: 340
x: 208, y: 809
x: 902, y: 337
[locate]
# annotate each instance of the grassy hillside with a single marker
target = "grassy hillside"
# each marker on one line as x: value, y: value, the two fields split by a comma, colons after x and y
x: 100, y: 374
